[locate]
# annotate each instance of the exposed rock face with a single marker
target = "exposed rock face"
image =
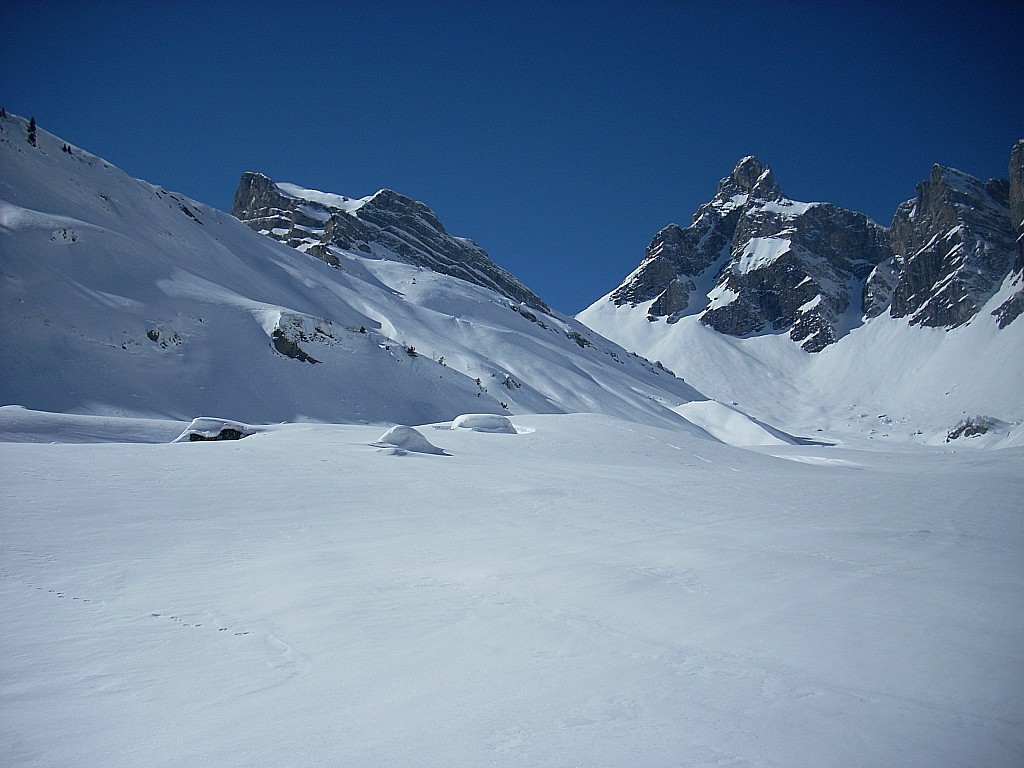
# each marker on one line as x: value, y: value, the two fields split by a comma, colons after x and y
x: 952, y: 247
x: 754, y: 261
x: 1017, y: 202
x: 1013, y: 307
x: 387, y: 225
x: 770, y: 263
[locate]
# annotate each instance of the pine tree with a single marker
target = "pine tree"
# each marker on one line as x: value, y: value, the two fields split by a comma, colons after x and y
x: 32, y: 131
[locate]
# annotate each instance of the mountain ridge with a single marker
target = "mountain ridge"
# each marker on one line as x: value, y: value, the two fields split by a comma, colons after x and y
x: 385, y: 224
x: 766, y: 264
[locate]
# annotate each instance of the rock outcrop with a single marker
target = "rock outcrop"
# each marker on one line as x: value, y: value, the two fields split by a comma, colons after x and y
x: 385, y: 225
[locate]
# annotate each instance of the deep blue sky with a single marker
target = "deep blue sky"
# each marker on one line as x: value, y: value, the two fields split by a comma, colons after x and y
x: 560, y: 136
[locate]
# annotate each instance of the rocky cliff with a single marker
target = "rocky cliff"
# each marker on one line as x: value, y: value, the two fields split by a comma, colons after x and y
x: 754, y: 261
x: 952, y: 247
x: 385, y: 225
x: 1013, y: 307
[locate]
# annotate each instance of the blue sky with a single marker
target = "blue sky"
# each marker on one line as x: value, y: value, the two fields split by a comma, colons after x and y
x: 560, y: 136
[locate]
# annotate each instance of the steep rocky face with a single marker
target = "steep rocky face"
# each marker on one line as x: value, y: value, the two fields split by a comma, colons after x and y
x: 676, y: 256
x: 1013, y: 307
x: 952, y: 247
x: 798, y: 267
x: 754, y: 261
x: 1017, y: 203
x: 387, y: 224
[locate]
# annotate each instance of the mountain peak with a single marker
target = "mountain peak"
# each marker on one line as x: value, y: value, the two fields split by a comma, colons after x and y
x: 387, y: 224
x: 751, y: 177
x: 747, y: 171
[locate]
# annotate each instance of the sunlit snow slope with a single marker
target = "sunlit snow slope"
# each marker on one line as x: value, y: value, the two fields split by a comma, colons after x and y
x: 119, y: 297
x: 885, y: 379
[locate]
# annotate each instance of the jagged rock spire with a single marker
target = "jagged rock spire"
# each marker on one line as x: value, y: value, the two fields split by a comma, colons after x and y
x: 751, y: 177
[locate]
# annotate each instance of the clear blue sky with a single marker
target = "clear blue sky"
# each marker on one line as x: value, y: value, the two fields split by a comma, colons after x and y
x: 560, y: 136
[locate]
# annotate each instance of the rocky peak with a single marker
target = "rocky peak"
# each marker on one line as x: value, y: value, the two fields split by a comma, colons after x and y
x: 952, y: 246
x: 756, y: 261
x: 384, y: 225
x: 746, y: 173
x: 752, y: 178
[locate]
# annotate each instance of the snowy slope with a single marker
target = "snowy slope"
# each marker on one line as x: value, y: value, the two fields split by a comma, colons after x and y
x: 122, y: 298
x: 933, y: 341
x: 588, y: 591
x: 886, y: 379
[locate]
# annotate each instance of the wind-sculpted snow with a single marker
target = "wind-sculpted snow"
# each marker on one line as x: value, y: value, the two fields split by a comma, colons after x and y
x: 484, y: 422
x: 406, y: 440
x: 590, y: 592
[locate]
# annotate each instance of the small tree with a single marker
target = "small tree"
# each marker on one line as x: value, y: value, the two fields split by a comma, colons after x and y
x: 32, y: 131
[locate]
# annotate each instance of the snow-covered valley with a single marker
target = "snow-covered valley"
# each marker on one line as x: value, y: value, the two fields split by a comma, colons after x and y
x: 461, y: 530
x: 588, y: 591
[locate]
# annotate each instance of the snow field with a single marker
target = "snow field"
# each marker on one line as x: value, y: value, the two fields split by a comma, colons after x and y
x: 590, y: 592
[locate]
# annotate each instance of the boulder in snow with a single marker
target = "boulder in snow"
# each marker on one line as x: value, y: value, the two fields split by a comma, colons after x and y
x: 205, y: 428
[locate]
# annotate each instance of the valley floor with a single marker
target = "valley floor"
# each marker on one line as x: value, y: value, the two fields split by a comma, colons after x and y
x: 585, y: 592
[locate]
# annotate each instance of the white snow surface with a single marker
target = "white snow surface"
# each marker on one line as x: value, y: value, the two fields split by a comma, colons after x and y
x: 730, y: 425
x: 611, y: 587
x: 592, y: 592
x: 120, y: 298
x: 329, y: 199
x: 407, y: 439
x: 759, y: 252
x: 886, y: 379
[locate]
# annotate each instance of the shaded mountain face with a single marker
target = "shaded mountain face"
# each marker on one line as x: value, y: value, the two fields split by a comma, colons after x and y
x: 1013, y: 307
x: 753, y: 261
x: 384, y: 225
x: 952, y: 247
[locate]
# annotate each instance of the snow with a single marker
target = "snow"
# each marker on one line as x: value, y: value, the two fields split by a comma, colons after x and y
x: 721, y: 296
x: 618, y: 585
x: 759, y: 252
x: 807, y: 306
x: 730, y: 425
x: 407, y: 439
x: 484, y: 422
x: 211, y: 428
x: 117, y: 303
x: 592, y: 592
x: 328, y: 199
x: 787, y: 207
x: 885, y: 380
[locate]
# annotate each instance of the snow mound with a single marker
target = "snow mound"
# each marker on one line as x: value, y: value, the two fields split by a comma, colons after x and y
x: 484, y: 422
x: 407, y: 439
x: 731, y: 426
x: 206, y: 428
